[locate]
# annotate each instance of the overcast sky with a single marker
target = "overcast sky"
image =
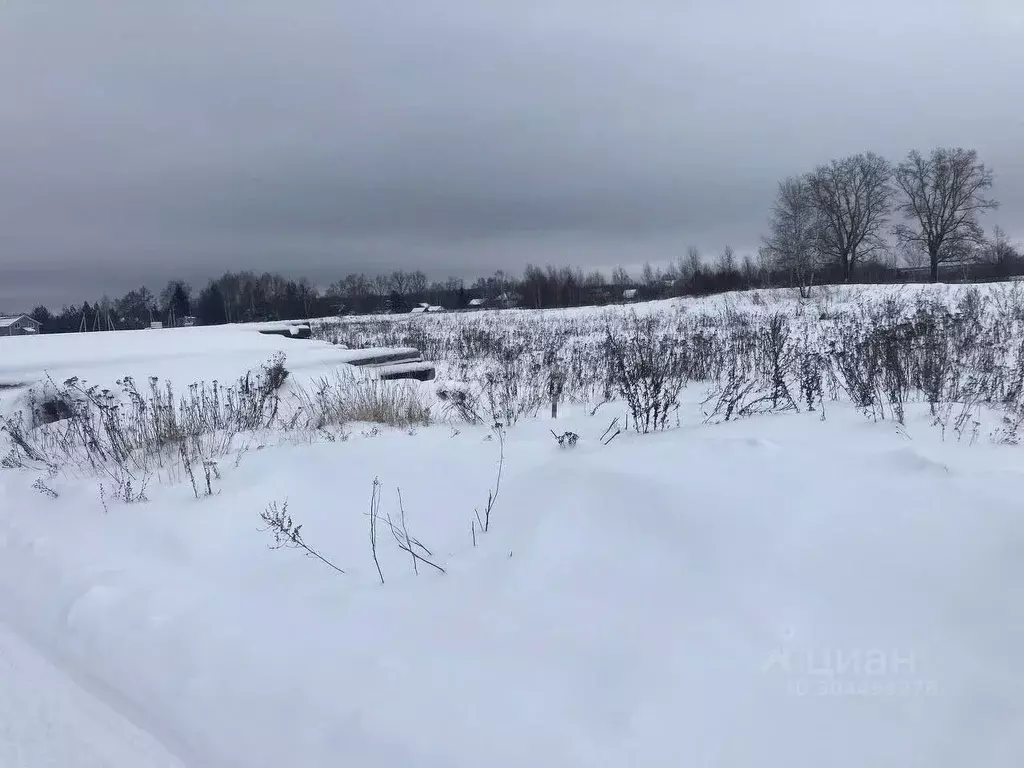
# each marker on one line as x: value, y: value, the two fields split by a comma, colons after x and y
x: 145, y: 139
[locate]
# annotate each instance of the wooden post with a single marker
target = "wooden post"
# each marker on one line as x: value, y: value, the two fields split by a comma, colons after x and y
x: 555, y: 385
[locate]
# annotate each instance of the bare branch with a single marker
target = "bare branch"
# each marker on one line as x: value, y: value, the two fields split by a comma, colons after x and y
x: 288, y: 535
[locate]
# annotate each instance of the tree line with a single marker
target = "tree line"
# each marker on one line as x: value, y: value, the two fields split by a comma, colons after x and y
x: 862, y: 210
x: 858, y: 217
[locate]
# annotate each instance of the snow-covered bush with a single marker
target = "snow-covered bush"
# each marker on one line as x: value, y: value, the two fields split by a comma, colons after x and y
x: 646, y: 368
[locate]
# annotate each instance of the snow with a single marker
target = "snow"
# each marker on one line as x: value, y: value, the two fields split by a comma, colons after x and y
x: 179, y: 355
x: 46, y: 719
x: 828, y: 298
x: 778, y: 591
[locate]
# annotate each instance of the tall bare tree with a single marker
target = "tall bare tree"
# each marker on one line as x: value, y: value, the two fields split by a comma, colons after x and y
x: 727, y: 260
x: 693, y: 262
x: 648, y: 275
x: 942, y: 196
x: 793, y: 245
x: 853, y: 198
x: 381, y: 285
x: 416, y: 282
x: 400, y: 280
x: 750, y: 271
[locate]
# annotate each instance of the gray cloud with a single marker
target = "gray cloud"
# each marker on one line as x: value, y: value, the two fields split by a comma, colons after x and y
x: 144, y: 140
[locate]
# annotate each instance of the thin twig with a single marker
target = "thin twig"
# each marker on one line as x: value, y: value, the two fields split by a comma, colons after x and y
x: 405, y: 532
x: 374, y: 506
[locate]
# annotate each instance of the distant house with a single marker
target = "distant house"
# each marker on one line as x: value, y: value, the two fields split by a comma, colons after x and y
x: 477, y: 303
x: 629, y: 294
x: 509, y: 300
x: 425, y: 307
x: 19, y: 325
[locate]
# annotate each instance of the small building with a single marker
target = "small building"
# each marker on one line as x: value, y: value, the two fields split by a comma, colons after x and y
x: 509, y: 300
x: 425, y: 307
x: 19, y: 325
x: 477, y: 303
x: 629, y: 294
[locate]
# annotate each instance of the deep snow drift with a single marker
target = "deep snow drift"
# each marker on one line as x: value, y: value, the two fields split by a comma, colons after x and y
x: 778, y: 591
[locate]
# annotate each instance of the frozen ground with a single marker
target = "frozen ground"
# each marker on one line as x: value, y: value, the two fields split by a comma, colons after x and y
x: 778, y: 591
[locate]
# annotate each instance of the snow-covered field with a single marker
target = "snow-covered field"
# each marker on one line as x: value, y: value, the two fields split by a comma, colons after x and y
x: 784, y: 589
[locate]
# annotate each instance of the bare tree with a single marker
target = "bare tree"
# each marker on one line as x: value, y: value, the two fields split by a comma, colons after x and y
x: 793, y: 244
x: 307, y: 295
x: 502, y: 282
x: 751, y: 271
x: 1000, y: 253
x: 381, y: 285
x: 913, y: 255
x: 727, y: 260
x: 693, y: 262
x: 648, y: 275
x: 620, y: 277
x: 400, y: 281
x: 416, y: 282
x: 943, y: 195
x: 853, y: 198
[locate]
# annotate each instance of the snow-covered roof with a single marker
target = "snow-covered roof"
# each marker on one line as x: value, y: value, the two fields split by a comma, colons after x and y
x: 477, y: 302
x: 7, y: 322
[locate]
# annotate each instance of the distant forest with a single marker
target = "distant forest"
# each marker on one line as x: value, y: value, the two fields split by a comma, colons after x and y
x: 245, y: 296
x: 832, y: 225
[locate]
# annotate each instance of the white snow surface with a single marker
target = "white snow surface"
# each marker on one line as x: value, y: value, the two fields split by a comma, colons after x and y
x: 778, y: 591
x: 180, y: 355
x: 47, y: 719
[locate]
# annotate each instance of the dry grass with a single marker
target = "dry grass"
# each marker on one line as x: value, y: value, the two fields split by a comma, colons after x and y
x: 349, y: 397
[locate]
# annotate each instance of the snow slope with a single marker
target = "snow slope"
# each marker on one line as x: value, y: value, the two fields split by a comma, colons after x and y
x: 781, y: 591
